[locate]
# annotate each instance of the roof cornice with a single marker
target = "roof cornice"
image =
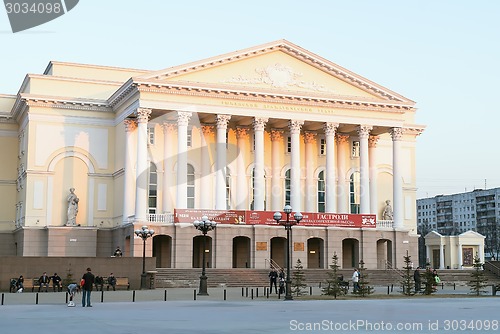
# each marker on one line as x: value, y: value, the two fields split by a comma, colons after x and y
x: 256, y: 94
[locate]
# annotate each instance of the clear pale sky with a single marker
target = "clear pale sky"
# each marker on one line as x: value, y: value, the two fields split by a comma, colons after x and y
x: 445, y: 55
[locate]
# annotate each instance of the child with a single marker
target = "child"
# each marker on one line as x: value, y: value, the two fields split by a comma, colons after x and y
x: 72, y: 289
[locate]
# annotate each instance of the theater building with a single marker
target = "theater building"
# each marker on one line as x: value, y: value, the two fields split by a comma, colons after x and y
x: 234, y: 137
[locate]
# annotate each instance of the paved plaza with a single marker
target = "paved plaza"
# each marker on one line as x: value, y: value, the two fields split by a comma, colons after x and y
x: 180, y: 313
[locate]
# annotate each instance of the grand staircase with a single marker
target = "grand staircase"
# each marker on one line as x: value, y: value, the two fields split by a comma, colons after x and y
x: 242, y: 277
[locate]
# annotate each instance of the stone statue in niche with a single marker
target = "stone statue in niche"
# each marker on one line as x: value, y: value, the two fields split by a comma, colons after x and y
x: 387, y: 214
x: 72, y: 207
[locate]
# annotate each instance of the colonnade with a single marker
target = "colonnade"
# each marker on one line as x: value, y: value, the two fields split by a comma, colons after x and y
x: 335, y: 180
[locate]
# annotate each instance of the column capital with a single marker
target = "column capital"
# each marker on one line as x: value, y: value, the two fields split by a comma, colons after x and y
x: 330, y: 128
x: 397, y: 134
x: 222, y: 121
x: 309, y: 137
x: 259, y: 123
x: 276, y: 134
x: 364, y: 131
x: 242, y: 132
x: 130, y: 124
x: 372, y: 141
x: 207, y: 129
x: 183, y: 118
x: 142, y: 115
x: 295, y: 126
x: 342, y: 138
x: 168, y: 126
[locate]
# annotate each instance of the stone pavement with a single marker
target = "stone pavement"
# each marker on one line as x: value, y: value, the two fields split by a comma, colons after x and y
x: 181, y: 314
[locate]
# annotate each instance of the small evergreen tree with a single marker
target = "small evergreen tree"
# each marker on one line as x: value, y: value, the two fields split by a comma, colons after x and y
x: 69, y: 278
x: 298, y: 279
x: 333, y: 286
x: 429, y: 281
x: 407, y: 283
x: 364, y: 284
x: 478, y: 280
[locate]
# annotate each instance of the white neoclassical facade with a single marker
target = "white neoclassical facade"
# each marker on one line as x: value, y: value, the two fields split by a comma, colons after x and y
x: 250, y: 130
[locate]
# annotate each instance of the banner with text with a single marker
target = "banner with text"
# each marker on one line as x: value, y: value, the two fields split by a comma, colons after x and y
x: 249, y: 217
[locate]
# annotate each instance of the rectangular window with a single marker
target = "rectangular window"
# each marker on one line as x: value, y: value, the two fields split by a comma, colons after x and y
x: 322, y: 146
x: 288, y: 144
x: 355, y: 149
x: 151, y: 135
x: 190, y: 137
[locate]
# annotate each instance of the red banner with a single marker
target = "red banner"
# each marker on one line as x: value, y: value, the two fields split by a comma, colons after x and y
x: 247, y: 217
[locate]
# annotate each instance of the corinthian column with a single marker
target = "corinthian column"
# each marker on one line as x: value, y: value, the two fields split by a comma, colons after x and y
x: 128, y: 178
x: 364, y: 171
x: 182, y: 125
x: 206, y: 177
x: 259, y: 189
x: 309, y: 140
x: 241, y: 181
x: 372, y: 147
x: 141, y: 191
x: 220, y: 164
x: 343, y: 154
x: 167, y: 198
x: 330, y: 188
x: 276, y: 191
x: 397, y: 136
x: 295, y: 200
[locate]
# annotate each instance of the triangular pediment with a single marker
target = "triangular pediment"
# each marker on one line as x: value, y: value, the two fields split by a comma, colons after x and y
x: 433, y: 235
x: 471, y: 234
x: 279, y: 67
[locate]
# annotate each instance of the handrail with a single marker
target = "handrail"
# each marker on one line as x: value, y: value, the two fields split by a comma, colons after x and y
x: 493, y: 268
x: 273, y: 265
x: 388, y: 265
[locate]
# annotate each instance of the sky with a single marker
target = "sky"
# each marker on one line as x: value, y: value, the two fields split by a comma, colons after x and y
x: 444, y: 55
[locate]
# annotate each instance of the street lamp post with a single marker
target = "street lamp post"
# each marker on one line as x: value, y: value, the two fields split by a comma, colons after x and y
x: 288, y: 227
x: 204, y: 226
x: 144, y: 233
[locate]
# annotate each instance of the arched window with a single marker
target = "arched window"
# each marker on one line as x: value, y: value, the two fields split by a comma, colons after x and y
x: 228, y: 189
x: 152, y: 188
x: 321, y: 191
x: 288, y: 182
x: 354, y: 184
x: 190, y: 186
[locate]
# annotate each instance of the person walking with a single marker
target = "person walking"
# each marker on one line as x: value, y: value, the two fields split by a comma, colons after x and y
x: 355, y: 280
x: 273, y: 276
x: 416, y: 278
x: 88, y: 281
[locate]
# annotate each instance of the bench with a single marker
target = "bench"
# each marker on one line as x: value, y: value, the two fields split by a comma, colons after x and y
x: 121, y: 282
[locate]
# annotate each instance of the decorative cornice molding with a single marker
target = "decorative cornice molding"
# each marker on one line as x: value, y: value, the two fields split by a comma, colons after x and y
x: 260, y: 95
